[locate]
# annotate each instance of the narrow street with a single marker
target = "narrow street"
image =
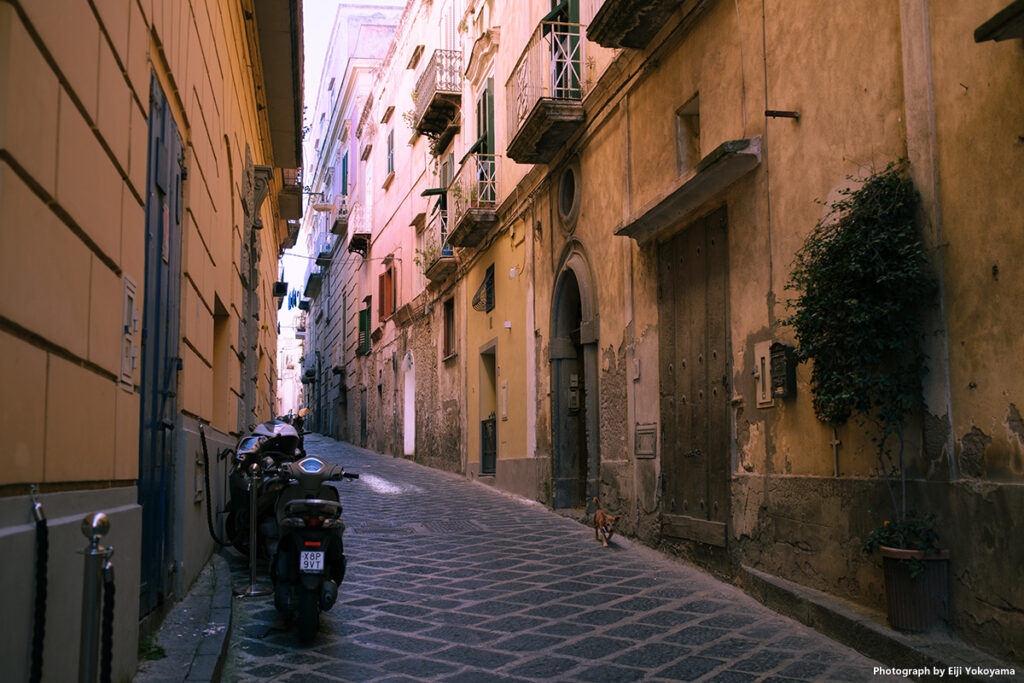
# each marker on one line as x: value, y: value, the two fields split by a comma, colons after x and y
x: 450, y: 580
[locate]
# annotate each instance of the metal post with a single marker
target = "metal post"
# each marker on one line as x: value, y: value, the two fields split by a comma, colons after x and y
x: 252, y: 591
x: 94, y: 527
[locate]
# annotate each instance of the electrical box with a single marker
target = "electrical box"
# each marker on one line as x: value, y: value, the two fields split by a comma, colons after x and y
x: 763, y: 374
x: 783, y: 370
x: 129, y: 332
x: 574, y: 394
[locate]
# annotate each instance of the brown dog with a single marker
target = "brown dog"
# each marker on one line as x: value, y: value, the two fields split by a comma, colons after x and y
x: 604, y: 524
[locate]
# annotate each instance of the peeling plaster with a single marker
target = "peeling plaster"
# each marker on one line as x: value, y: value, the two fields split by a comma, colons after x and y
x: 972, y: 452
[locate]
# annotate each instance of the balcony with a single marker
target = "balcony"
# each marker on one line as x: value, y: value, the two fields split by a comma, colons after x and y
x: 323, y: 257
x: 629, y: 23
x: 359, y: 242
x: 313, y: 281
x: 545, y: 92
x: 340, y: 224
x: 473, y: 200
x: 438, y: 95
x: 289, y: 201
x: 437, y: 258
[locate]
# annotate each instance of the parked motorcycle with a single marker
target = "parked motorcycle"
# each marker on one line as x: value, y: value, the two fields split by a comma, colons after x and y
x: 310, y: 561
x: 260, y: 453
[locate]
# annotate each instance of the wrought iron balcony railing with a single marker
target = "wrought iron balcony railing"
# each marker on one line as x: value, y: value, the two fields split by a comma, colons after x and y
x: 437, y: 257
x: 339, y: 226
x: 551, y: 71
x: 359, y: 229
x: 438, y: 92
x: 550, y: 66
x: 473, y: 199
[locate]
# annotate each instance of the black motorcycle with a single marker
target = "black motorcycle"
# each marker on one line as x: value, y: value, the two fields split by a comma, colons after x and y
x: 310, y: 561
x: 259, y: 454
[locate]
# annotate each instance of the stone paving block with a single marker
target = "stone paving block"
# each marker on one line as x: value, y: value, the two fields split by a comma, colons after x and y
x: 652, y: 655
x: 667, y: 618
x: 728, y: 620
x: 690, y: 669
x: 764, y: 661
x: 611, y: 674
x: 561, y: 628
x: 418, y: 668
x: 594, y: 647
x: 602, y: 617
x: 696, y: 635
x: 729, y: 648
x: 399, y: 643
x: 544, y: 668
x: 528, y: 642
x: 474, y: 656
x: 732, y: 677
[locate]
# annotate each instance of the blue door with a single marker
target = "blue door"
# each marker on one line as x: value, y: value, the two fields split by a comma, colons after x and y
x: 160, y: 361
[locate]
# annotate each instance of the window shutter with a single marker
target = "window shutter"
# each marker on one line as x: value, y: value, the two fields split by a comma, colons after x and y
x: 364, y: 332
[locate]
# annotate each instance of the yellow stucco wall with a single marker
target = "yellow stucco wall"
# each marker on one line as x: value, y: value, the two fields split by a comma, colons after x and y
x: 75, y: 82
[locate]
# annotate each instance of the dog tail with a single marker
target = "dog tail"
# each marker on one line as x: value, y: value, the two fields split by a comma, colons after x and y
x: 596, y: 504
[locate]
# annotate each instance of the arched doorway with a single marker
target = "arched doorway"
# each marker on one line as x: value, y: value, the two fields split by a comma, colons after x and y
x: 574, y: 376
x: 409, y: 413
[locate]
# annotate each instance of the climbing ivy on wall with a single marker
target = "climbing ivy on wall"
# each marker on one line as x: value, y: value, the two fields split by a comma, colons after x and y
x: 863, y: 287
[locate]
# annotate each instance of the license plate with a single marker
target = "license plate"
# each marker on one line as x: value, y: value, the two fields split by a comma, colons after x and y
x: 311, y: 561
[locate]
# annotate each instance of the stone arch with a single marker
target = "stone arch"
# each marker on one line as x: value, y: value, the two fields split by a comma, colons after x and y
x: 573, y: 353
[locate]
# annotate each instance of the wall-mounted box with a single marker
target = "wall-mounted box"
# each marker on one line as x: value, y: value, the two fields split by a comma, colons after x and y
x: 783, y: 370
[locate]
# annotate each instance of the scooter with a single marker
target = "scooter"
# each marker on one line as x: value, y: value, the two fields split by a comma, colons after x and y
x: 257, y: 457
x: 310, y: 561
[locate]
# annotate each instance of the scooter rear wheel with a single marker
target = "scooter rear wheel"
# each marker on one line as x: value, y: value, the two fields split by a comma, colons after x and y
x: 308, y: 616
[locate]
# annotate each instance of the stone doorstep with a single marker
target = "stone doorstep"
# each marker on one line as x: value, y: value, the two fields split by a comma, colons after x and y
x: 863, y: 629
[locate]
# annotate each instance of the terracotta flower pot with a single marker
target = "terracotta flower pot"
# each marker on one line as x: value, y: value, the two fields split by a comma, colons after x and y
x: 916, y: 603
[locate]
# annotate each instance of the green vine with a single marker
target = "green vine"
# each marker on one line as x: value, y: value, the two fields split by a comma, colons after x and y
x: 863, y: 288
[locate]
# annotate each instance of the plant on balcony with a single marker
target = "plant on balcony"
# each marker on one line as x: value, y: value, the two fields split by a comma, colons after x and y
x: 863, y: 289
x: 427, y: 256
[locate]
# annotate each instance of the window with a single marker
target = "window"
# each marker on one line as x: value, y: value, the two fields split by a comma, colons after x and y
x: 391, y: 151
x: 688, y: 135
x: 449, y: 328
x: 386, y: 291
x: 344, y: 175
x: 483, y: 300
x: 363, y: 345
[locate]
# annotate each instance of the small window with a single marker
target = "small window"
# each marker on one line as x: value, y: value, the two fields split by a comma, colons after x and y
x: 483, y: 300
x: 386, y: 291
x: 449, y: 328
x: 391, y: 151
x: 567, y: 195
x: 344, y: 174
x: 363, y: 345
x: 688, y: 135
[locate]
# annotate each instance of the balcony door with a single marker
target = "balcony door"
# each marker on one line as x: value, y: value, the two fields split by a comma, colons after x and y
x: 563, y: 32
x: 484, y: 145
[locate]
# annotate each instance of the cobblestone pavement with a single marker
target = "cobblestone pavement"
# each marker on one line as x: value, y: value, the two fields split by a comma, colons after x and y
x: 450, y: 580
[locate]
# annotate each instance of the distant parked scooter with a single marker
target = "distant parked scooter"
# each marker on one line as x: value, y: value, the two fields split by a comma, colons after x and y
x: 310, y: 561
x: 259, y: 454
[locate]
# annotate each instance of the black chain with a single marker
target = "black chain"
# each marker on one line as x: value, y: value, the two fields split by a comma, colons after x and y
x: 209, y: 493
x: 39, y: 627
x: 107, y: 641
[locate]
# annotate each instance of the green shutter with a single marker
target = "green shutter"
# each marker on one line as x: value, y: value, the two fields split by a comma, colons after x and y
x: 364, y: 332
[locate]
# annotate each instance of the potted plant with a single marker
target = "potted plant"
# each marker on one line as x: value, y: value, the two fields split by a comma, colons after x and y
x: 863, y: 288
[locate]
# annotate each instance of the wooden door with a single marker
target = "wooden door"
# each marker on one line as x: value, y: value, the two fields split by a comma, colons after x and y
x: 695, y: 379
